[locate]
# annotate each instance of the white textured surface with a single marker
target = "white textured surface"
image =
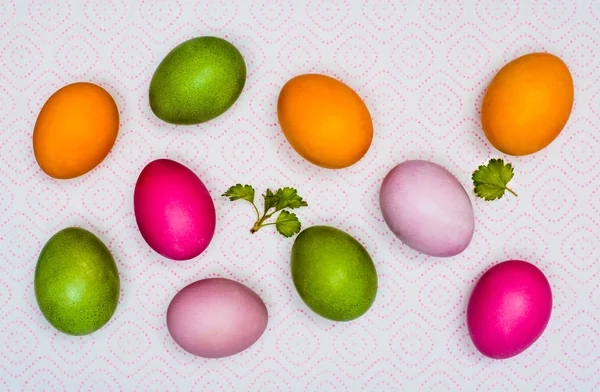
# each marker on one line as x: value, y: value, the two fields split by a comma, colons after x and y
x: 422, y: 68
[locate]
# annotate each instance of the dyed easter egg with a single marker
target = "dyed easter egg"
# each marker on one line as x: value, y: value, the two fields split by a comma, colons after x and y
x: 427, y: 208
x: 174, y: 210
x: 198, y: 80
x: 333, y: 273
x: 76, y: 282
x: 509, y: 309
x: 527, y: 104
x: 324, y: 120
x: 215, y: 318
x: 75, y: 130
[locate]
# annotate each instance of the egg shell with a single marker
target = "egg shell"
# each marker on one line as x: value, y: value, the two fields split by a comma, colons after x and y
x: 215, y: 318
x: 333, y: 273
x: 324, y: 120
x: 198, y: 80
x: 76, y: 282
x: 427, y: 208
x: 509, y: 309
x: 527, y: 104
x: 75, y: 130
x: 174, y: 210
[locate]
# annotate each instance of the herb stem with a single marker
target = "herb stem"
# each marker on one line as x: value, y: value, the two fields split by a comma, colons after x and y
x: 510, y: 190
x: 256, y: 209
x: 255, y: 228
x: 259, y: 223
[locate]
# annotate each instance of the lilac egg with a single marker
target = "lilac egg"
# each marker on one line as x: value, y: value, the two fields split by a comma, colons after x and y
x: 427, y: 208
x: 215, y: 318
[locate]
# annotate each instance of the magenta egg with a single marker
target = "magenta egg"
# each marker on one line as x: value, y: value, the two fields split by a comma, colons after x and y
x: 215, y: 318
x: 173, y: 210
x: 427, y: 208
x: 509, y: 309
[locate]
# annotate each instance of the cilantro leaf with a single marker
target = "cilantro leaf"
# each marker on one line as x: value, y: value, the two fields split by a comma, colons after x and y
x: 239, y: 191
x: 287, y: 224
x: 491, y: 180
x: 288, y: 198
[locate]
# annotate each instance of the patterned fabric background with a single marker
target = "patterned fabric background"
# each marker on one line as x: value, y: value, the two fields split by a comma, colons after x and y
x: 422, y: 68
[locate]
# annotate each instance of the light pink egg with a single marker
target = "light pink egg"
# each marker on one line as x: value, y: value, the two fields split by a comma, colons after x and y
x: 215, y: 318
x: 509, y: 309
x: 174, y: 210
x: 427, y: 208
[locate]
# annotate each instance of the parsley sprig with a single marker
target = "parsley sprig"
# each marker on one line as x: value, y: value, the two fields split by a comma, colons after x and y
x: 287, y: 223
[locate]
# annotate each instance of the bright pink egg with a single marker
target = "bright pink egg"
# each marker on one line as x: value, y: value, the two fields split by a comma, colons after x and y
x: 174, y: 210
x: 509, y: 309
x: 215, y: 318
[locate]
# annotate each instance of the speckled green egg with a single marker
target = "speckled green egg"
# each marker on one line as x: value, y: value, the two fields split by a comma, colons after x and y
x: 197, y: 81
x: 333, y: 273
x: 76, y: 282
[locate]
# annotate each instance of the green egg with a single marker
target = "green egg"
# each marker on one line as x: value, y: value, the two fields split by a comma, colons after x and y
x: 76, y: 282
x: 333, y: 273
x: 197, y: 81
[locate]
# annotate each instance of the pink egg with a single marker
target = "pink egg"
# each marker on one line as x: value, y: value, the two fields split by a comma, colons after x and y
x: 215, y: 318
x: 509, y: 309
x: 427, y: 208
x: 174, y: 210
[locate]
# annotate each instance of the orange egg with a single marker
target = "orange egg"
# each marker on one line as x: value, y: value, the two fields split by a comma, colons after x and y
x: 527, y: 104
x: 324, y: 120
x: 75, y: 130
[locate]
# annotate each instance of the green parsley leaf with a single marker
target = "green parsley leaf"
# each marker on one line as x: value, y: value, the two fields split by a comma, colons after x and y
x: 491, y: 180
x: 271, y: 200
x: 287, y: 224
x: 239, y: 191
x: 288, y: 198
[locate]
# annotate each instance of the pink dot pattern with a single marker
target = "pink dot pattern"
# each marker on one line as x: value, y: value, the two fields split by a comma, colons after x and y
x: 422, y: 68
